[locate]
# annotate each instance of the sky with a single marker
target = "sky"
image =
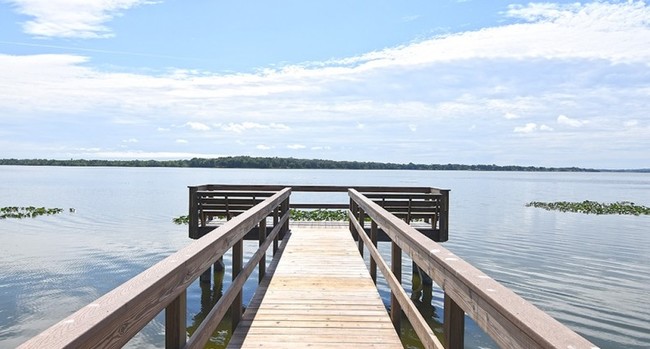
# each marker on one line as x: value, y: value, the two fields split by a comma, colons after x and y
x: 452, y: 81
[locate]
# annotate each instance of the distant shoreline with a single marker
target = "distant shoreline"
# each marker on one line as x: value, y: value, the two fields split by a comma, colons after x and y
x: 247, y: 162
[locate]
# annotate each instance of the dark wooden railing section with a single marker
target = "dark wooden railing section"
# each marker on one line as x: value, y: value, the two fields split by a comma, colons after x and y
x: 112, y: 320
x: 509, y: 319
x: 427, y: 204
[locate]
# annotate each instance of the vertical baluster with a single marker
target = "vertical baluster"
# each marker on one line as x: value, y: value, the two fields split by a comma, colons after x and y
x: 454, y: 325
x: 362, y: 219
x: 396, y: 268
x: 237, y: 263
x: 175, y: 322
x: 373, y: 238
x: 275, y: 224
x: 262, y: 263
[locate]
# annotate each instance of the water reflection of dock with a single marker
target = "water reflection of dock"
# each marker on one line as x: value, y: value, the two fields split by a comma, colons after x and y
x: 317, y: 290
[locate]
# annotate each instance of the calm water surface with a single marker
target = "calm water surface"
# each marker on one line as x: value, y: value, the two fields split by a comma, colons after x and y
x: 592, y: 273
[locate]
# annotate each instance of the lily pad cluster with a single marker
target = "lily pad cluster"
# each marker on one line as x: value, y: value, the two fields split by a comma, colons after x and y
x: 593, y: 207
x: 318, y: 215
x: 27, y: 212
x: 296, y: 215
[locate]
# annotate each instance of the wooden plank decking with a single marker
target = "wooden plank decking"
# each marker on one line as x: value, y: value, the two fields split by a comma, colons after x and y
x: 320, y: 295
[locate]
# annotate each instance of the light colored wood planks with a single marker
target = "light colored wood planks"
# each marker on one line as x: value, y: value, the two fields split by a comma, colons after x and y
x: 320, y: 295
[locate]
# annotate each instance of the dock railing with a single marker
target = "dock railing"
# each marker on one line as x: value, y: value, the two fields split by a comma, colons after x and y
x: 425, y: 204
x: 112, y: 320
x: 511, y: 321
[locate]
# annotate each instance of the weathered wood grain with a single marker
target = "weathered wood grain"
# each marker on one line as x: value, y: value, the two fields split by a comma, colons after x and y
x: 509, y: 319
x: 112, y: 320
x: 319, y: 295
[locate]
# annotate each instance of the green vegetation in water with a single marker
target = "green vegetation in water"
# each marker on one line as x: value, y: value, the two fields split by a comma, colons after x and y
x: 27, y: 212
x: 593, y: 207
x: 318, y: 215
x: 181, y: 220
x: 296, y: 215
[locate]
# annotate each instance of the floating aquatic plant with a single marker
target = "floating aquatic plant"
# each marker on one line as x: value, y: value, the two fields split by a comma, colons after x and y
x: 181, y: 220
x: 27, y: 212
x: 593, y: 207
x: 296, y: 215
x: 318, y: 215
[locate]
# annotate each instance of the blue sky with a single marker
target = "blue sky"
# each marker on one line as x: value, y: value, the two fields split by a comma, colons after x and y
x: 525, y: 83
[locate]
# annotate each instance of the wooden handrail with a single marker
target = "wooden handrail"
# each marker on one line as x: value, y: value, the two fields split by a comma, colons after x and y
x: 113, y: 319
x: 506, y: 317
x: 214, y: 317
x: 424, y: 332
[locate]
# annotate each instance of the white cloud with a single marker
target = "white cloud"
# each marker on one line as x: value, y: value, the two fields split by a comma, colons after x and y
x: 511, y: 116
x: 241, y: 127
x: 197, y: 126
x: 182, y: 141
x: 263, y: 147
x: 565, y: 120
x: 296, y: 146
x: 71, y: 18
x: 631, y: 123
x: 532, y: 127
x: 163, y: 129
x: 413, y: 127
x: 130, y: 140
x: 528, y: 128
x: 142, y: 155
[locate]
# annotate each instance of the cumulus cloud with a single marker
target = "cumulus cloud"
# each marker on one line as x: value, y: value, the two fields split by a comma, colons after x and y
x: 182, y: 141
x: 532, y: 127
x: 197, y: 126
x: 71, y: 18
x: 241, y: 127
x: 263, y: 147
x: 565, y: 120
x: 510, y: 116
x: 296, y: 146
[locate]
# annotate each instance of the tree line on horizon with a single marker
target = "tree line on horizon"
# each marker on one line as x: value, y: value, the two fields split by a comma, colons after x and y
x: 283, y: 163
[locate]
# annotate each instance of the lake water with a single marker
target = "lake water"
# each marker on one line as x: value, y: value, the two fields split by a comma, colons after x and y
x: 590, y: 272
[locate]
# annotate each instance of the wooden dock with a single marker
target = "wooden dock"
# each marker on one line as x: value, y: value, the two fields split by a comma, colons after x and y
x: 317, y: 291
x: 320, y: 295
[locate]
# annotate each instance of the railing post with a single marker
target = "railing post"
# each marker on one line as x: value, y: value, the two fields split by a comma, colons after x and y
x: 193, y: 214
x: 285, y: 209
x: 396, y: 268
x: 175, y: 322
x: 362, y: 222
x: 444, y: 215
x: 237, y: 263
x: 353, y: 209
x: 262, y: 263
x: 275, y: 224
x: 373, y: 238
x: 454, y: 325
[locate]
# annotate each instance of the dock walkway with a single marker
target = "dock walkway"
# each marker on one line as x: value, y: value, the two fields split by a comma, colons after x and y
x: 320, y: 295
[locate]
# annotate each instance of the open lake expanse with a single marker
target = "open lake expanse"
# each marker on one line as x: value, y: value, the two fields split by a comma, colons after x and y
x: 590, y: 272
